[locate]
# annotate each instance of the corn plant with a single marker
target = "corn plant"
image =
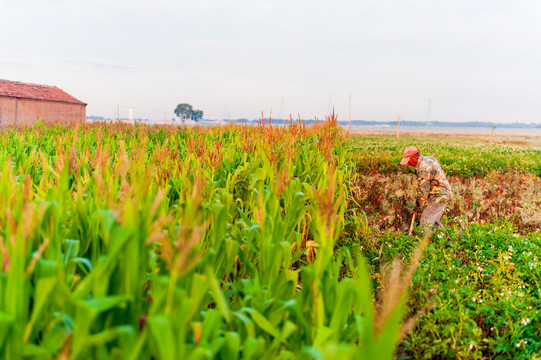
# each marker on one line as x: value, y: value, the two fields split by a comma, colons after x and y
x: 122, y: 242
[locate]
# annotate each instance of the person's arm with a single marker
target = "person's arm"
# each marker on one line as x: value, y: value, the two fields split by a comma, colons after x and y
x: 423, y: 180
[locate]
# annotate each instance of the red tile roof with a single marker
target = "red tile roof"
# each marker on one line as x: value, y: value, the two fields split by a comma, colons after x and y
x: 37, y: 92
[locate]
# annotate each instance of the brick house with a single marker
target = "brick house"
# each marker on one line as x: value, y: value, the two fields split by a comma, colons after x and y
x: 24, y: 104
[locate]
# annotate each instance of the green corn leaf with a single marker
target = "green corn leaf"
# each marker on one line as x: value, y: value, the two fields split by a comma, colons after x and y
x: 44, y: 287
x: 231, y: 348
x: 33, y: 351
x: 87, y: 311
x: 162, y: 337
x: 262, y: 322
x: 218, y: 296
x: 249, y: 325
x: 6, y: 321
x: 124, y: 333
x: 323, y: 334
x: 251, y: 348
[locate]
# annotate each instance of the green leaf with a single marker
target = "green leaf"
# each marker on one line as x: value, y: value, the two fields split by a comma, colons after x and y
x: 218, y: 296
x: 231, y: 348
x: 262, y: 322
x: 251, y: 348
x: 44, y: 287
x: 6, y: 320
x: 161, y: 331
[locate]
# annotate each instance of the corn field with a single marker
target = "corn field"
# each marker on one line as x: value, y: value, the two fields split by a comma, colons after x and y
x: 121, y: 242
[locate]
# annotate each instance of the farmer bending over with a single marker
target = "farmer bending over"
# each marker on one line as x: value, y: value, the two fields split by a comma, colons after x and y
x: 434, y: 189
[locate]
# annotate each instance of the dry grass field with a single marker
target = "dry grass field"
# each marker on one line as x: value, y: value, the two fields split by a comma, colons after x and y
x: 525, y: 137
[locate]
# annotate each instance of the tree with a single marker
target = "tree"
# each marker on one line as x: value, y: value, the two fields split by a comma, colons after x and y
x: 184, y: 111
x: 197, y: 115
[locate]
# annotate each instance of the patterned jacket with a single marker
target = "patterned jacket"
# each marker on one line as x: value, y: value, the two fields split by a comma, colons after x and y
x: 433, y: 185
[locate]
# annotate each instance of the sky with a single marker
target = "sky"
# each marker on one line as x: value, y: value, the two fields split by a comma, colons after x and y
x: 460, y: 60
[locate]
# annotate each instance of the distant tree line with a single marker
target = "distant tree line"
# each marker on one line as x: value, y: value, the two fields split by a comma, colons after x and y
x: 470, y: 124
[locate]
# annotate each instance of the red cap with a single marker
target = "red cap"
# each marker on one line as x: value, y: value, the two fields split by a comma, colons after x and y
x: 408, y: 153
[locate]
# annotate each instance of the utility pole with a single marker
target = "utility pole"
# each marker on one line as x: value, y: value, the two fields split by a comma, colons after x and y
x: 397, y: 127
x: 117, y: 112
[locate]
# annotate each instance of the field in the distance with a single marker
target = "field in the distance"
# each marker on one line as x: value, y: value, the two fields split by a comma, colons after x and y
x: 506, y: 136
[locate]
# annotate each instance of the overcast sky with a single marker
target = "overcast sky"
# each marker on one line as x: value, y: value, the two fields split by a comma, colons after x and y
x: 476, y: 60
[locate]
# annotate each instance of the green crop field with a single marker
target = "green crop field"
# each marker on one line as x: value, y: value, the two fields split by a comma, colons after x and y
x: 242, y: 242
x: 476, y: 293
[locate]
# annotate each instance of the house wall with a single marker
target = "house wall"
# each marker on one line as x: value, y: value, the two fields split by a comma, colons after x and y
x: 7, y: 111
x: 27, y: 111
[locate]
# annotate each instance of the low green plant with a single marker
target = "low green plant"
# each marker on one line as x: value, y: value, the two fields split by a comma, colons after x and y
x: 457, y: 157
